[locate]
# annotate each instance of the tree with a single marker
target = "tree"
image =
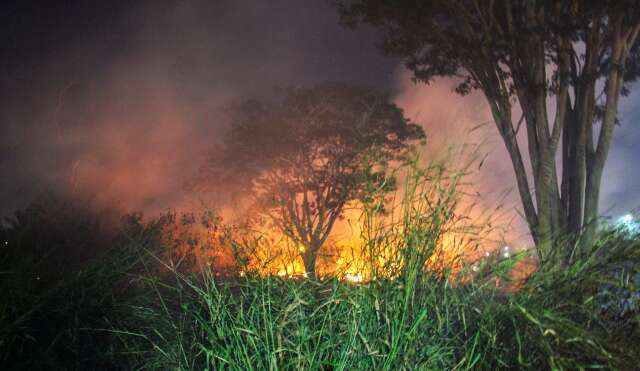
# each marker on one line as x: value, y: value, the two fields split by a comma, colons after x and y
x: 579, y: 54
x: 309, y: 153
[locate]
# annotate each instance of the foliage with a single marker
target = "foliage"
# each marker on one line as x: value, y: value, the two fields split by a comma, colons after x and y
x: 63, y: 274
x: 581, y: 55
x: 307, y: 155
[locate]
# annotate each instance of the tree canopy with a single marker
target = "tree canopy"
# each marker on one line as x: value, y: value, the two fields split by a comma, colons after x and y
x: 306, y: 154
x: 580, y: 55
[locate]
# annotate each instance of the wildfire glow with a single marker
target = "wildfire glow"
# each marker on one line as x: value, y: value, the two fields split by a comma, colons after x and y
x: 360, y: 249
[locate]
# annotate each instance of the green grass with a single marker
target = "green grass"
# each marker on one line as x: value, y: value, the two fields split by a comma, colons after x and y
x: 556, y: 321
x: 132, y: 308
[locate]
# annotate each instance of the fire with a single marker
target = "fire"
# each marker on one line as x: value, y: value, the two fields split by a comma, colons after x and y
x: 357, y: 278
x: 360, y: 248
x: 293, y: 268
x: 346, y: 255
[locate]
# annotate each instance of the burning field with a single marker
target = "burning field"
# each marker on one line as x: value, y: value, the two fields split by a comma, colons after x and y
x: 321, y: 185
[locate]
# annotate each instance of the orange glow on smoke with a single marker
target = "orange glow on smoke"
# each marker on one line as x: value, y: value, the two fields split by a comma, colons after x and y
x: 445, y: 117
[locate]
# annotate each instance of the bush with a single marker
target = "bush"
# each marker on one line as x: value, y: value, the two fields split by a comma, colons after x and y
x: 65, y: 276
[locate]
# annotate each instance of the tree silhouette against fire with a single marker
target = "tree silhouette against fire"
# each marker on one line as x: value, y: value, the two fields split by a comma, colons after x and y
x: 305, y: 155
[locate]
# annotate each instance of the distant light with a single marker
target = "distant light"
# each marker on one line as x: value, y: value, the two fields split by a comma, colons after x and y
x: 475, y: 268
x: 486, y: 253
x: 626, y: 219
x: 628, y: 222
x: 506, y: 255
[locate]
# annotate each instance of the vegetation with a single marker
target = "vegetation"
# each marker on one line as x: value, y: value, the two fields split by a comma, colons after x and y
x: 310, y: 153
x: 582, y: 55
x: 131, y: 308
x: 87, y: 290
x: 63, y: 273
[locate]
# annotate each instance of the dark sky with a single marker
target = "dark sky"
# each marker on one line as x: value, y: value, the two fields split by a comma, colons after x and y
x: 127, y: 87
x: 121, y: 99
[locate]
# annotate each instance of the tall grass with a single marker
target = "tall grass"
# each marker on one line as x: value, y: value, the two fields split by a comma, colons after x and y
x: 555, y: 321
x: 136, y: 307
x: 411, y: 316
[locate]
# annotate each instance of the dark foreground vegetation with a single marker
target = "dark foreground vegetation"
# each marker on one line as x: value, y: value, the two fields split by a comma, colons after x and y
x: 85, y: 290
x: 128, y: 308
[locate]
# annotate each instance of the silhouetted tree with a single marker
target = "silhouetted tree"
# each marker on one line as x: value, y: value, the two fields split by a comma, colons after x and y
x: 307, y: 154
x: 520, y: 53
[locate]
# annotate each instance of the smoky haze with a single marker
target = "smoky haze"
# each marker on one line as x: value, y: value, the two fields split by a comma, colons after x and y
x: 119, y: 102
x: 124, y: 108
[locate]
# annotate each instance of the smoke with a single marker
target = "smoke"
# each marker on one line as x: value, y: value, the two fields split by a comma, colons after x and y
x: 124, y: 113
x: 620, y: 188
x: 122, y: 107
x: 462, y: 128
x: 466, y: 122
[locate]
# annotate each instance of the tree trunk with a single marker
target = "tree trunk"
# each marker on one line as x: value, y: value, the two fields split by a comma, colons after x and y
x: 509, y: 136
x: 573, y: 209
x: 595, y: 163
x: 577, y: 168
x: 591, y: 208
x: 309, y: 257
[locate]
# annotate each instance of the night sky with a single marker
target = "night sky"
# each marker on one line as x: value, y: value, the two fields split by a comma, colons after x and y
x: 120, y: 100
